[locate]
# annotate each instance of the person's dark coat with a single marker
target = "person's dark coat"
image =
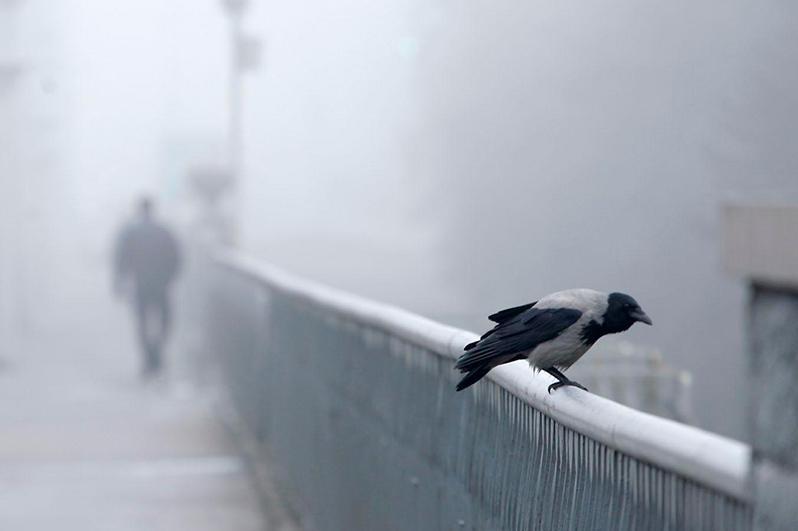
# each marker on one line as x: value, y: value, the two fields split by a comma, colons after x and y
x: 148, y: 255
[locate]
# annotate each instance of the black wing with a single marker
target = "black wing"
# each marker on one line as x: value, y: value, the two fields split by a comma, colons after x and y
x: 509, y: 313
x: 502, y: 317
x: 520, y: 334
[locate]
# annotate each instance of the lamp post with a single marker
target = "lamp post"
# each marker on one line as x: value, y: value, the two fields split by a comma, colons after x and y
x: 235, y: 12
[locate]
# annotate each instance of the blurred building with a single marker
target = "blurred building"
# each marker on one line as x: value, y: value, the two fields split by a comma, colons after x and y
x: 11, y: 66
x: 761, y: 246
x: 33, y: 191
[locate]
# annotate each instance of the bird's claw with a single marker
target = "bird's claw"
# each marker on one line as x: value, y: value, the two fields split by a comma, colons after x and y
x: 557, y: 385
x: 580, y: 386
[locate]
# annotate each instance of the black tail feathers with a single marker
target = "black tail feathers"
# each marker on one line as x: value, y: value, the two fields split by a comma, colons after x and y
x: 472, y: 377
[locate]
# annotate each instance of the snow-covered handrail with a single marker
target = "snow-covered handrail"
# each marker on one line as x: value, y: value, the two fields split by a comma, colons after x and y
x: 355, y: 402
x: 709, y: 459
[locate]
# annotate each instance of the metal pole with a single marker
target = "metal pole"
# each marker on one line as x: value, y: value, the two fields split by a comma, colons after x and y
x: 235, y: 99
x: 235, y: 10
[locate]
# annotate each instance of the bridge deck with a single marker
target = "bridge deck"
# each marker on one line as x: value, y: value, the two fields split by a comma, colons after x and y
x: 85, y: 445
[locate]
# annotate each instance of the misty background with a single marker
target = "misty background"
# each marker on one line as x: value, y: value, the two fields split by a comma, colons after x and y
x: 450, y: 157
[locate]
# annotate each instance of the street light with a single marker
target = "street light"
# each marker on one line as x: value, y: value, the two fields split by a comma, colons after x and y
x: 210, y: 185
x: 235, y: 6
x: 239, y: 48
x: 235, y: 11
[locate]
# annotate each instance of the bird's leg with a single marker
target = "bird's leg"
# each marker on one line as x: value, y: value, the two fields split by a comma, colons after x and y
x: 562, y: 380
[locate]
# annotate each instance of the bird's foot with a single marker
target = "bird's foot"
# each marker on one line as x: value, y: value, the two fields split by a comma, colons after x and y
x: 557, y: 385
x: 577, y: 384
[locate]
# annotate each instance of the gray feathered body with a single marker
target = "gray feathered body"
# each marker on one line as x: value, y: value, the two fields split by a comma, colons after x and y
x: 571, y: 344
x: 552, y: 333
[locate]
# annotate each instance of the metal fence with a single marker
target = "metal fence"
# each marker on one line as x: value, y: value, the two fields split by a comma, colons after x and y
x: 355, y: 402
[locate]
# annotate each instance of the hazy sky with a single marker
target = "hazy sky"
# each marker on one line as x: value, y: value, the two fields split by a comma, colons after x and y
x: 147, y: 78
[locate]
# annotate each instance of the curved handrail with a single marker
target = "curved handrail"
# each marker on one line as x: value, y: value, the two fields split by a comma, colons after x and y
x: 706, y: 458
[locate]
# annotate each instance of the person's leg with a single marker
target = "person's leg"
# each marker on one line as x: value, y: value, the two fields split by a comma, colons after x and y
x: 162, y: 318
x: 144, y: 328
x: 166, y: 317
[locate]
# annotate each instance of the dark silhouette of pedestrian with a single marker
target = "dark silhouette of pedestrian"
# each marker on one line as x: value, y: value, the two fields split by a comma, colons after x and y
x: 146, y: 262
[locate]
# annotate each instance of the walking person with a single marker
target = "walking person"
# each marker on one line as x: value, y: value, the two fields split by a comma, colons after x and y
x: 146, y: 262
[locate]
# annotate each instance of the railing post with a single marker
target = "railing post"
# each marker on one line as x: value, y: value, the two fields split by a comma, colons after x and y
x: 761, y: 244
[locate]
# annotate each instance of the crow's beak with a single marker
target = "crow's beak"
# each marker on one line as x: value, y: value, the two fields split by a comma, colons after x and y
x: 640, y: 315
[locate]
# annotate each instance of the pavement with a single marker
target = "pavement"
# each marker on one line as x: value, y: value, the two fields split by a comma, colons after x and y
x: 86, y: 445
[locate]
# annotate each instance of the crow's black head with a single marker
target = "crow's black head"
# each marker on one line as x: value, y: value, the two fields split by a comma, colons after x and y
x: 622, y: 312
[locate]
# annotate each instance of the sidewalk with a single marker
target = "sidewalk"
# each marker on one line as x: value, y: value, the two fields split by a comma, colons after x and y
x: 85, y: 445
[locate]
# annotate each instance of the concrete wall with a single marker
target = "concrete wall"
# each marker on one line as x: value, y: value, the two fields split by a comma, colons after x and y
x: 773, y: 358
x: 761, y: 244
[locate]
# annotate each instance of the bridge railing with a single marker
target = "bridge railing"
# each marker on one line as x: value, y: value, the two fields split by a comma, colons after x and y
x: 354, y: 401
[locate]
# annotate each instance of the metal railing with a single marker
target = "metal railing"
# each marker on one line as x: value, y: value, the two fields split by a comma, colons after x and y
x: 355, y: 402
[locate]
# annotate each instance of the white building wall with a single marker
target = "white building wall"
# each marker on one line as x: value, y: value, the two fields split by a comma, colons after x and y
x: 35, y: 199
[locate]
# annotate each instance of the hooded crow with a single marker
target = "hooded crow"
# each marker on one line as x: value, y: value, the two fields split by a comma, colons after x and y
x: 552, y: 333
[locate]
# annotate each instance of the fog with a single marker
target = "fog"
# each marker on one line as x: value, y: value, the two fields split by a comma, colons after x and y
x: 479, y: 156
x: 452, y: 158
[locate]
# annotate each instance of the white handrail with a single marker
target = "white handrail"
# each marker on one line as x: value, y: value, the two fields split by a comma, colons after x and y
x: 709, y: 459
